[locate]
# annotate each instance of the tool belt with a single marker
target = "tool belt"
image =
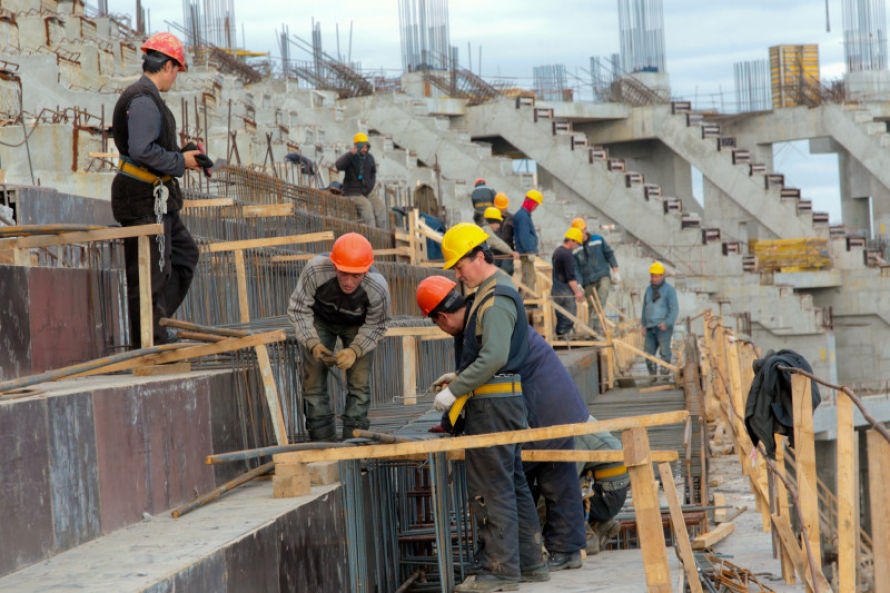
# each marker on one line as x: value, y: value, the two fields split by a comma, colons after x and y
x: 506, y: 385
x: 141, y: 173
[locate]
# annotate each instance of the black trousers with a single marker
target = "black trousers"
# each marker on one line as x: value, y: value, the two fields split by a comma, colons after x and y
x: 168, y: 286
x: 558, y: 483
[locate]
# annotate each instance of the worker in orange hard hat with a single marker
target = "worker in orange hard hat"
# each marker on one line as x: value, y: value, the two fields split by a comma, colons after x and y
x: 145, y: 189
x: 360, y: 182
x: 660, y: 310
x: 339, y: 295
x: 482, y: 197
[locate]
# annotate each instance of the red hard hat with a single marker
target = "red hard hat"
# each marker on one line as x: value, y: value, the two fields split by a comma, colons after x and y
x: 169, y: 45
x: 479, y: 181
x: 432, y: 291
x: 352, y: 254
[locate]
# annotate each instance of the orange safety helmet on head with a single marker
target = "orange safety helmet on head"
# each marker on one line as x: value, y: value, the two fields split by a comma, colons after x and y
x: 501, y: 200
x: 478, y: 182
x: 432, y: 291
x: 169, y: 45
x: 579, y: 223
x: 352, y: 254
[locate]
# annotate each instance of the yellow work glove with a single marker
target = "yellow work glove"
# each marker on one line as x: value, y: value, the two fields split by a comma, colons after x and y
x: 319, y: 351
x: 345, y: 358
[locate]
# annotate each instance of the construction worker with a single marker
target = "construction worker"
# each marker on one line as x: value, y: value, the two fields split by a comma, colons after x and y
x: 491, y: 223
x: 660, y: 309
x: 551, y: 398
x: 502, y: 202
x: 339, y: 296
x: 487, y: 392
x: 596, y: 265
x: 482, y: 197
x: 359, y: 181
x: 525, y: 237
x: 565, y: 289
x: 145, y: 189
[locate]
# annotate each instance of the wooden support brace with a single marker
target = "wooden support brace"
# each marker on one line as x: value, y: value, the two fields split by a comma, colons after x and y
x: 146, y: 307
x: 879, y: 497
x: 409, y: 369
x: 716, y: 535
x: 782, y: 510
x: 291, y: 479
x: 847, y: 495
x: 681, y: 535
x: 805, y: 458
x: 789, y: 542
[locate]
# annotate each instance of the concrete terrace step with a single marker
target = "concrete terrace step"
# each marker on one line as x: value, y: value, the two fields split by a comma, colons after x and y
x: 245, y: 541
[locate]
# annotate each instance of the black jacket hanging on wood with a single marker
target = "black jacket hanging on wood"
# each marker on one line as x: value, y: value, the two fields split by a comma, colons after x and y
x: 769, y: 408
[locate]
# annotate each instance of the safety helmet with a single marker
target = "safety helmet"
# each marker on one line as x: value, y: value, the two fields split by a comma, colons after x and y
x: 460, y: 240
x: 575, y: 235
x: 169, y: 45
x: 479, y: 181
x: 579, y: 223
x: 656, y: 268
x: 352, y: 254
x: 360, y: 137
x: 501, y: 200
x: 432, y: 292
x: 535, y: 196
x: 492, y: 213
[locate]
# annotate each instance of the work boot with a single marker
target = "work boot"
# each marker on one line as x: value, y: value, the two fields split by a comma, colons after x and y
x: 324, y: 433
x: 539, y: 574
x: 486, y: 583
x: 563, y: 561
x: 600, y: 534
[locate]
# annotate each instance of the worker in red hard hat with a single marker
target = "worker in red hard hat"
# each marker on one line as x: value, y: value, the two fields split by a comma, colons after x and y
x: 339, y: 295
x: 145, y: 189
x: 482, y: 197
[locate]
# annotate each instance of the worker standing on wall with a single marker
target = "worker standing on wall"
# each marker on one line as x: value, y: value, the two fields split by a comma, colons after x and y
x: 482, y: 197
x: 360, y: 180
x: 551, y: 398
x: 566, y: 291
x: 145, y: 189
x: 339, y: 296
x: 596, y: 266
x: 660, y: 309
x: 505, y: 232
x: 491, y: 224
x: 525, y: 237
x: 487, y: 392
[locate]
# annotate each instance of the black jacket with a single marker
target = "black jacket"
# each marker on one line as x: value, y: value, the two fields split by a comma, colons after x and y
x: 769, y: 409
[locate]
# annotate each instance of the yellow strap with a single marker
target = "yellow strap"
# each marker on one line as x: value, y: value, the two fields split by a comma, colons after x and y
x: 610, y: 472
x: 456, y: 407
x: 141, y: 173
x: 487, y: 389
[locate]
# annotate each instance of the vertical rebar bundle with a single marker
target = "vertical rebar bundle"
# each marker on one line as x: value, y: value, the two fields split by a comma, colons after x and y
x: 641, y: 35
x: 210, y: 22
x: 865, y: 35
x: 550, y: 82
x: 752, y: 85
x: 426, y: 41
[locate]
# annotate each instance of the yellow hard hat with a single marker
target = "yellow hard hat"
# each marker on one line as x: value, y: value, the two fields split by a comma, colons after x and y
x: 501, y: 200
x: 575, y: 235
x: 459, y: 240
x: 492, y: 213
x: 360, y: 137
x: 579, y: 223
x: 535, y: 196
x: 656, y: 268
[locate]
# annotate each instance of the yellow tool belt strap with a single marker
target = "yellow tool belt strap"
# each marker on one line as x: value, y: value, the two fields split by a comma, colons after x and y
x: 513, y: 387
x: 609, y: 472
x: 141, y: 173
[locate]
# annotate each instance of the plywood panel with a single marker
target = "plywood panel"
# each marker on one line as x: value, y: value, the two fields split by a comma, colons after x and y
x: 60, y: 320
x: 15, y: 341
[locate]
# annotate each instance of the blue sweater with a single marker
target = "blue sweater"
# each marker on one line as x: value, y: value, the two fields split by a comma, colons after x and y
x: 525, y: 238
x: 661, y: 310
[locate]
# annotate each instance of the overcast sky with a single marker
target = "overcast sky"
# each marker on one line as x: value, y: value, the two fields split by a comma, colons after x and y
x: 703, y: 39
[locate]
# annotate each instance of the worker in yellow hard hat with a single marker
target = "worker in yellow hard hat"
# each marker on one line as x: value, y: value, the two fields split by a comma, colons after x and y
x: 492, y: 223
x: 505, y: 232
x: 566, y: 291
x: 660, y: 310
x: 486, y: 392
x: 525, y: 238
x: 597, y: 270
x: 360, y: 181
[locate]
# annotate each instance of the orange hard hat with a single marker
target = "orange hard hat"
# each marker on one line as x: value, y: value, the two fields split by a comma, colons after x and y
x: 432, y: 291
x: 579, y: 223
x: 169, y: 45
x: 501, y: 200
x: 352, y: 254
x: 479, y: 181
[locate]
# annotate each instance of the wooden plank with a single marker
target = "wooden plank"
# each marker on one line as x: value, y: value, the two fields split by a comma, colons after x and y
x: 208, y: 203
x: 716, y: 535
x: 557, y: 455
x: 847, y: 494
x: 146, y: 307
x: 719, y: 500
x: 289, y: 258
x: 241, y: 281
x: 487, y: 440
x: 267, y: 242
x: 270, y: 390
x: 425, y: 331
x: 879, y: 497
x: 678, y: 523
x: 786, y: 536
x: 266, y: 210
x: 782, y: 510
x: 638, y: 459
x: 107, y: 234
x: 405, y: 251
x: 409, y: 369
x: 805, y: 458
x: 162, y: 369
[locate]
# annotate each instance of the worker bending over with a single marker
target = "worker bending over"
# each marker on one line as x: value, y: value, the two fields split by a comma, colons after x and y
x: 339, y: 296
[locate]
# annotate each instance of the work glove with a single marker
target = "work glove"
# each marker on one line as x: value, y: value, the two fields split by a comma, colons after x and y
x: 320, y: 351
x: 616, y: 278
x: 345, y: 358
x: 444, y: 399
x: 442, y: 381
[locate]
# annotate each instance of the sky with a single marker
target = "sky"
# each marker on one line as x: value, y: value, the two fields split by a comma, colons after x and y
x: 703, y: 39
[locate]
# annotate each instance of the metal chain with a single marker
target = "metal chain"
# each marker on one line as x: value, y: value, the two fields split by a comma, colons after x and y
x: 161, y: 193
